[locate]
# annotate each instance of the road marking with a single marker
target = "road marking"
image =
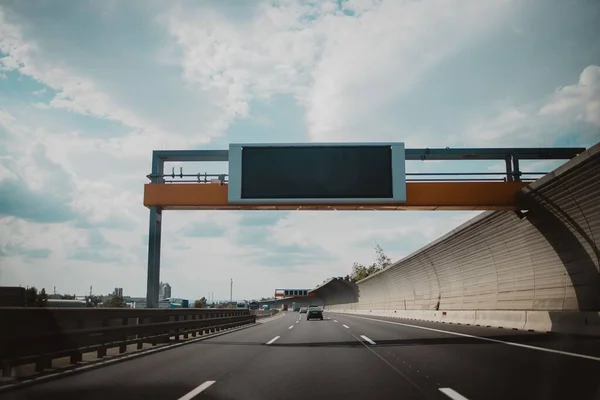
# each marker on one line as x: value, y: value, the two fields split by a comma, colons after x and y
x: 291, y: 327
x: 367, y: 339
x: 526, y: 346
x: 272, y: 340
x: 197, y: 391
x: 297, y: 321
x: 452, y: 394
x: 390, y: 365
x: 334, y: 320
x: 346, y: 326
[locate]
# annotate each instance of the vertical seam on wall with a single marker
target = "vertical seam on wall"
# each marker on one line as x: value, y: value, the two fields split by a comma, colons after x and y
x: 437, y: 278
x: 594, y: 251
x: 489, y: 250
x: 509, y: 257
x: 589, y: 228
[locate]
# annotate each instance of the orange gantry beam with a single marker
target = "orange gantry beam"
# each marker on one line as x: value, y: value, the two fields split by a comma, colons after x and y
x: 419, y: 195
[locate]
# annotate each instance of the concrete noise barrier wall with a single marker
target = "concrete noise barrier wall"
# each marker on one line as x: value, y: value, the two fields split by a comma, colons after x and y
x: 536, y: 269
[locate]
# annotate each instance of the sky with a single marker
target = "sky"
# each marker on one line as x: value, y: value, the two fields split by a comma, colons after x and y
x: 89, y: 88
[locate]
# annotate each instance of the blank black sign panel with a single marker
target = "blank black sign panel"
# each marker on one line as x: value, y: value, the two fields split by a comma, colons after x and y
x: 317, y: 172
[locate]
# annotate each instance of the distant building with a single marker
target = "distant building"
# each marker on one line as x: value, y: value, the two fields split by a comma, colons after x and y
x: 143, y: 304
x: 118, y: 292
x: 164, y: 291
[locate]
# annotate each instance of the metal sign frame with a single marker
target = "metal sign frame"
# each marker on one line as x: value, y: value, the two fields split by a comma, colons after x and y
x: 234, y: 189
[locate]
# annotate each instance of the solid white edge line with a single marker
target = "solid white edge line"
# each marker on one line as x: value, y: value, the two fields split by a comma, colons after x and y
x: 452, y: 394
x: 367, y: 339
x: 197, y: 391
x: 272, y: 340
x: 346, y: 326
x: 291, y: 327
x: 526, y: 346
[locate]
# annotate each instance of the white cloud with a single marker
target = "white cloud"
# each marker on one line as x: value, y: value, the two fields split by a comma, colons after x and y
x: 238, y: 61
x: 75, y: 92
x: 581, y: 99
x: 368, y: 62
x: 347, y: 68
x: 571, y: 108
x: 326, y: 57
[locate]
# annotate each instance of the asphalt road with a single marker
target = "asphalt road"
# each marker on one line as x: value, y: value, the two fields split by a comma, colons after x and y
x: 348, y: 357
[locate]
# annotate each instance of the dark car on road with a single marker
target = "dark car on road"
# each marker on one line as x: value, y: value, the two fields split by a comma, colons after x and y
x: 314, y: 312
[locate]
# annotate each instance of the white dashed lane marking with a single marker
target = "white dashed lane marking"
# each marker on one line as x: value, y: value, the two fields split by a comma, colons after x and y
x: 367, y: 339
x: 272, y: 340
x: 197, y: 391
x: 452, y: 394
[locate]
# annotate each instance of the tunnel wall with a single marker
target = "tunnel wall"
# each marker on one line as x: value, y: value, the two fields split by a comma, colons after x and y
x: 538, y: 271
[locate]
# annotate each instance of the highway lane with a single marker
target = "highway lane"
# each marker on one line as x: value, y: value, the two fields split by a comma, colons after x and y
x: 318, y: 360
x: 327, y: 359
x: 483, y: 369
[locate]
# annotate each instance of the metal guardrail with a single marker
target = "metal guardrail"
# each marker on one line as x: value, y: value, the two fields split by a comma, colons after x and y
x: 205, y: 178
x: 39, y: 335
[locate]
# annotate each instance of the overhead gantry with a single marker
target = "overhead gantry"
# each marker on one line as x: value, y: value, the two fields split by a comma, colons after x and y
x: 332, y: 176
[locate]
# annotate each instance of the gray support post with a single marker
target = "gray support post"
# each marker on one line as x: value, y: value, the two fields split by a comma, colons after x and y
x: 154, y: 236
x: 516, y: 169
x: 153, y: 257
x: 509, y: 175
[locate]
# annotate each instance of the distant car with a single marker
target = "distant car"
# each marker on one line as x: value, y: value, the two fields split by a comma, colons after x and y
x: 314, y: 312
x: 303, y: 310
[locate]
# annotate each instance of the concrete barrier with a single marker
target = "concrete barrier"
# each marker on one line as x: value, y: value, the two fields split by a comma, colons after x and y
x: 567, y: 322
x: 573, y: 322
x: 501, y: 319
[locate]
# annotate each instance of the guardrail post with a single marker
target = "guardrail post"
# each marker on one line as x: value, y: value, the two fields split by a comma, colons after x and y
x: 6, y: 369
x: 177, y: 330
x: 76, y: 357
x: 509, y: 172
x: 123, y: 345
x: 185, y: 330
x: 516, y: 169
x: 42, y: 363
x: 194, y: 331
x: 101, y: 353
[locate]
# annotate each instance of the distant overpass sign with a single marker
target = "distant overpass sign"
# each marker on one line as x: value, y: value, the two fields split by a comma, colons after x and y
x: 279, y: 293
x: 317, y: 173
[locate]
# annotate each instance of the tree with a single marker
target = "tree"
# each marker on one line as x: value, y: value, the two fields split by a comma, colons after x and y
x: 360, y: 271
x: 115, y: 302
x: 383, y: 261
x: 35, y: 299
x: 42, y: 298
x: 31, y: 295
x: 200, y: 303
x: 93, y: 301
x: 67, y: 296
